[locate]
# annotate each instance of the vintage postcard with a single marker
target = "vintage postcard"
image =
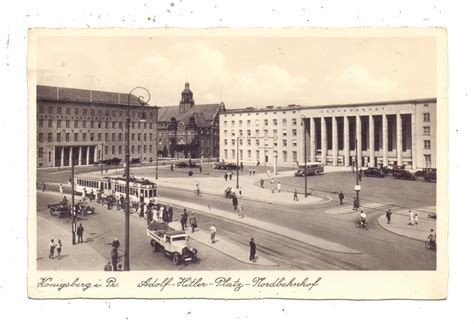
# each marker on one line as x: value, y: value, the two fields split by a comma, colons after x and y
x: 238, y: 163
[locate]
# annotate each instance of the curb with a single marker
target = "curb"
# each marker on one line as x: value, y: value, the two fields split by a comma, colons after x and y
x: 399, y: 234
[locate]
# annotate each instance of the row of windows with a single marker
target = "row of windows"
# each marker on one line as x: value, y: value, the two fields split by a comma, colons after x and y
x: 257, y: 132
x: 92, y: 124
x: 294, y: 155
x: 146, y: 148
x: 257, y: 142
x: 91, y: 112
x: 107, y: 137
x: 265, y: 122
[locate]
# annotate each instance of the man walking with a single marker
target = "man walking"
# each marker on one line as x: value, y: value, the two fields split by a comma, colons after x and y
x: 61, y: 188
x: 261, y: 182
x: 225, y: 176
x: 235, y: 201
x: 213, y: 233
x: 43, y: 188
x: 116, y: 243
x: 388, y: 215
x: 279, y: 186
x: 295, y: 195
x: 410, y: 217
x: 52, y: 246
x: 341, y: 197
x: 240, y: 211
x: 80, y: 232
x: 230, y: 175
x: 253, y: 250
x: 193, y: 222
x: 184, y: 219
x: 115, y: 258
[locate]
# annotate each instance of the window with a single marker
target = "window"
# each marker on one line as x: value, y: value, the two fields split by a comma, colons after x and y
x: 41, y: 109
x: 265, y: 132
x: 265, y: 122
x: 257, y: 132
x: 249, y: 142
x: 293, y: 121
x: 294, y: 143
x: 275, y: 122
x: 76, y: 124
x: 84, y: 137
x: 68, y: 137
x: 92, y: 124
x: 249, y: 132
x: 84, y: 123
x: 113, y: 149
x: 225, y: 123
x: 225, y: 154
x: 50, y: 123
x: 113, y: 124
x: 51, y: 110
x: 241, y: 132
x: 240, y: 123
x: 92, y: 112
x: 58, y: 123
x: 144, y: 148
x: 40, y: 152
x: 248, y: 123
x: 68, y: 111
x: 113, y: 137
x: 76, y: 111
x: 249, y: 154
x: 106, y: 112
x: 139, y: 137
x: 274, y: 132
x: 133, y: 125
x: 283, y: 132
x: 151, y: 148
x: 144, y: 137
x: 139, y: 125
x: 99, y: 137
x: 426, y: 130
x: 225, y: 132
x: 233, y: 141
x: 285, y: 156
x: 427, y: 144
x: 294, y: 132
x: 284, y: 122
x: 120, y: 125
x: 133, y: 137
x: 233, y: 154
x: 295, y: 156
x: 120, y: 149
x: 233, y: 122
x: 106, y: 137
x: 68, y: 123
x: 40, y: 123
x: 151, y: 136
x: 50, y: 137
x: 84, y: 112
x: 139, y: 148
x: 284, y: 142
x: 426, y: 117
x: 225, y: 141
x: 106, y: 148
x: 40, y: 137
x: 120, y: 137
x: 257, y: 154
x: 133, y: 149
x: 427, y: 161
x: 241, y: 154
x: 257, y: 142
x: 92, y: 137
x: 120, y: 113
x: 58, y: 137
x: 59, y: 110
x: 240, y: 141
x: 76, y: 137
x: 106, y: 124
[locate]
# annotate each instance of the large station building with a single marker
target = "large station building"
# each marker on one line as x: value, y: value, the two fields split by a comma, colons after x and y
x: 84, y: 126
x: 385, y: 133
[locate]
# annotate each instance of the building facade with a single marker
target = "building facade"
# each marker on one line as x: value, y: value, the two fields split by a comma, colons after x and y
x: 385, y: 133
x: 84, y: 126
x: 189, y: 130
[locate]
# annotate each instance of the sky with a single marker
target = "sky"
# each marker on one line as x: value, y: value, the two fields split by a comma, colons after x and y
x: 244, y: 71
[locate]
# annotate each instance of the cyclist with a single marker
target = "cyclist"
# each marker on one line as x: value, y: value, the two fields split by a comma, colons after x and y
x: 432, y: 238
x: 363, y: 218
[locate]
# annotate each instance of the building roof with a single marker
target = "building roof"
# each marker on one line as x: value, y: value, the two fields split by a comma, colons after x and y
x: 82, y: 95
x: 203, y: 114
x: 298, y: 107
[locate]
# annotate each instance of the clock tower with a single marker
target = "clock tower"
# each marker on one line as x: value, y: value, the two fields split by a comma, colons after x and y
x: 187, y: 100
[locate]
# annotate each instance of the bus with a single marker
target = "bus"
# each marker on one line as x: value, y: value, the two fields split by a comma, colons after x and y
x: 141, y: 190
x: 312, y: 168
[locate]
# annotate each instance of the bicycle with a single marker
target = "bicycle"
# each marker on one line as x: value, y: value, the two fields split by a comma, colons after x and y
x: 197, y: 192
x: 358, y: 224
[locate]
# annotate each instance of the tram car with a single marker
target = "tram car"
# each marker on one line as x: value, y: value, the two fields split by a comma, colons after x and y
x: 141, y: 190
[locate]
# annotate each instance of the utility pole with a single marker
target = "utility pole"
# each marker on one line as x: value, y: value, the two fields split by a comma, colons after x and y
x: 357, y: 187
x: 238, y: 166
x: 73, y: 205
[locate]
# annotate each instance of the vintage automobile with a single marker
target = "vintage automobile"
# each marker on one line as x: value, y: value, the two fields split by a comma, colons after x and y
x: 219, y: 165
x: 231, y: 166
x: 403, y: 174
x: 374, y: 172
x: 60, y: 210
x: 171, y: 242
x: 181, y: 165
x: 430, y: 174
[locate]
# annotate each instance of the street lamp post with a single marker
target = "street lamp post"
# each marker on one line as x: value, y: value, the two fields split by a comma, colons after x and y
x: 73, y: 206
x: 126, y: 263
x: 101, y: 157
x: 156, y: 145
x: 357, y: 186
x: 238, y: 166
x: 305, y: 166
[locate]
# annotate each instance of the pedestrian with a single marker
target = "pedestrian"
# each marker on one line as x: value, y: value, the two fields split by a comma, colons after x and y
x: 295, y: 195
x: 193, y: 222
x: 241, y: 166
x: 225, y: 176
x: 84, y: 193
x: 172, y: 167
x: 279, y: 186
x: 120, y: 267
x: 230, y: 175
x: 268, y: 172
x: 116, y: 243
x: 235, y: 201
x: 61, y: 188
x: 43, y: 187
x: 114, y: 255
x: 59, y: 247
x: 341, y: 197
x: 355, y: 204
x: 213, y: 233
x: 416, y: 219
x: 388, y: 215
x: 108, y: 266
x: 253, y: 250
x: 250, y: 171
x: 410, y: 217
x: 184, y: 219
x: 273, y: 188
x: 261, y: 182
x: 92, y: 195
x: 258, y: 163
x: 240, y: 210
x: 170, y: 213
x: 80, y: 232
x: 52, y: 247
x: 142, y: 210
x: 200, y: 168
x: 253, y: 171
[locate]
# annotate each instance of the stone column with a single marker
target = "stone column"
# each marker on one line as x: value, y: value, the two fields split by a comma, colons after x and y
x: 95, y: 154
x: 347, y: 161
x: 413, y: 142
x: 79, y: 161
x: 324, y: 144
x: 62, y: 156
x: 385, y: 140
x: 88, y: 155
x: 399, y: 139
x: 359, y: 140
x: 312, y: 150
x: 70, y: 156
x: 334, y: 141
x: 371, y: 141
x: 300, y: 139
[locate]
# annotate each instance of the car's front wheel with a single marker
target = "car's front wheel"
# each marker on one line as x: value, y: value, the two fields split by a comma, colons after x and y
x: 176, y: 258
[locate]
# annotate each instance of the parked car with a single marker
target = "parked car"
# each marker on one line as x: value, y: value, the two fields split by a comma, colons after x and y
x: 374, y: 172
x: 403, y: 174
x: 181, y: 165
x: 427, y: 174
x: 231, y: 166
x: 219, y: 165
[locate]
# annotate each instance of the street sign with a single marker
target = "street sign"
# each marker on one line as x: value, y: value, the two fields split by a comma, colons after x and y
x: 357, y: 187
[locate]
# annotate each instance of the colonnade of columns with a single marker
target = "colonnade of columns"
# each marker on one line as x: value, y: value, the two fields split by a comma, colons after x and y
x: 82, y: 155
x: 381, y: 140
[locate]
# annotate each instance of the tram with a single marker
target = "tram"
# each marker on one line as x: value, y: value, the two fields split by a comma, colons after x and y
x: 141, y: 190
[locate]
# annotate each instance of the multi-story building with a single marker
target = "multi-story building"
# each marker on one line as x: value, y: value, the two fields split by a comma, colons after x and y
x: 386, y: 133
x: 189, y: 130
x: 85, y: 126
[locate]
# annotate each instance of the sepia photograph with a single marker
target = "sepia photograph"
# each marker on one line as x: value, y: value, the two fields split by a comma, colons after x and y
x: 282, y: 157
